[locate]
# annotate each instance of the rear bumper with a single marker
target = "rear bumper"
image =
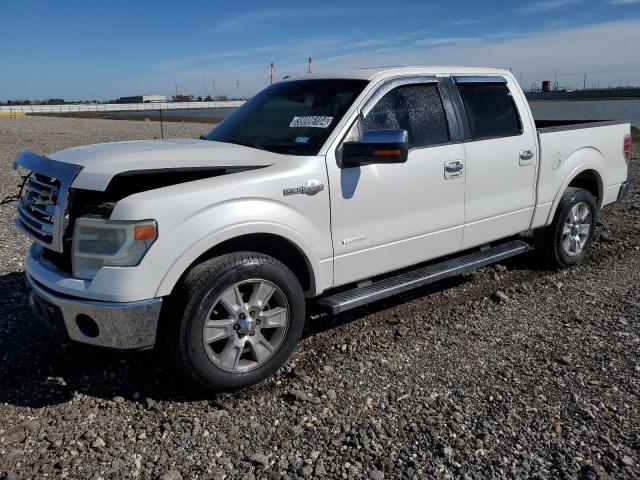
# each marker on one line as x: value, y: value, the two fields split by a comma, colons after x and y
x: 127, y: 326
x: 624, y: 190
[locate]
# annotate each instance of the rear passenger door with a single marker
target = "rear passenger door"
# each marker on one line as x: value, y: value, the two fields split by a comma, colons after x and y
x: 388, y: 216
x: 501, y: 155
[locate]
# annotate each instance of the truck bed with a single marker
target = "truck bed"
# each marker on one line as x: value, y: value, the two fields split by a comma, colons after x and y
x: 548, y: 126
x: 567, y: 145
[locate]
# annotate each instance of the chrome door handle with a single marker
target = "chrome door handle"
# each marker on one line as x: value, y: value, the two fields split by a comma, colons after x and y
x: 453, y: 169
x: 526, y: 157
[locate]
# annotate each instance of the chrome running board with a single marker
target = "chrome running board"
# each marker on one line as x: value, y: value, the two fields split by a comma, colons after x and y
x: 346, y: 300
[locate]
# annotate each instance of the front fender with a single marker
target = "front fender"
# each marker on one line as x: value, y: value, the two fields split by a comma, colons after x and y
x: 225, y: 221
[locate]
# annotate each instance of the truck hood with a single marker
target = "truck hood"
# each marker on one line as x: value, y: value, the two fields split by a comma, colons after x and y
x: 101, y: 162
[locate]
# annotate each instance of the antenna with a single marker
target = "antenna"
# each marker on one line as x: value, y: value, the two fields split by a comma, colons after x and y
x: 310, y: 68
x: 273, y: 72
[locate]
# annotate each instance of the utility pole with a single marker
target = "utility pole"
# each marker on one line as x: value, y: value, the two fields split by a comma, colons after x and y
x: 176, y: 82
x: 213, y: 87
x: 584, y: 81
x: 238, y: 87
x: 204, y: 84
x: 555, y: 81
x: 310, y: 67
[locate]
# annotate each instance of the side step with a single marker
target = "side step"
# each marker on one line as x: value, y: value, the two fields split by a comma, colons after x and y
x: 343, y: 301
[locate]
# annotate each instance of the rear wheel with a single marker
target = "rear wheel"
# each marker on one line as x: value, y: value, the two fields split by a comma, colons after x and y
x: 244, y: 315
x: 565, y: 242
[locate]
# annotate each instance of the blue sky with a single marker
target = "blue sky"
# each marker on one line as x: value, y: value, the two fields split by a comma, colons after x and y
x: 84, y: 49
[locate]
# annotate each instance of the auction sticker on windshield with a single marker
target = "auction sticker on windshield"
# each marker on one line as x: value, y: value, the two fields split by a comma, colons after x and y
x: 311, y: 122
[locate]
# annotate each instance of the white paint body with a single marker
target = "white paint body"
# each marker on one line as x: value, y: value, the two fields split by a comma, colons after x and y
x: 367, y: 221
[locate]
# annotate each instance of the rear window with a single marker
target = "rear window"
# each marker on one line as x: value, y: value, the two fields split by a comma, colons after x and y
x: 490, y: 109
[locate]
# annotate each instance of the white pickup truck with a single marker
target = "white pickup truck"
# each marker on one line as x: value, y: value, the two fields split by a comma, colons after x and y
x: 345, y: 188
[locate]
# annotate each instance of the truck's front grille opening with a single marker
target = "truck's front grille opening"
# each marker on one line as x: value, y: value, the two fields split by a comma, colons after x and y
x: 61, y: 260
x: 37, y: 207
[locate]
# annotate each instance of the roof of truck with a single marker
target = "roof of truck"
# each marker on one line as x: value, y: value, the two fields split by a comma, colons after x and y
x: 374, y: 72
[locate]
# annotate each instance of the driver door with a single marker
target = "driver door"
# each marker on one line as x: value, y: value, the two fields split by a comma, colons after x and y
x: 388, y: 216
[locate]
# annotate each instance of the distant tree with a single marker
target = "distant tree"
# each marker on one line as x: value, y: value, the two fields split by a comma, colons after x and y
x: 207, y: 98
x: 199, y: 98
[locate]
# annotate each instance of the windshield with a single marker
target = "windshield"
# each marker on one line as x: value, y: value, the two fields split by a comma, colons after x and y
x: 293, y: 117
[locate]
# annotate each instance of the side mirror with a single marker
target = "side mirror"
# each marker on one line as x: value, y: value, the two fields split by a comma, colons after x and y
x: 377, y: 146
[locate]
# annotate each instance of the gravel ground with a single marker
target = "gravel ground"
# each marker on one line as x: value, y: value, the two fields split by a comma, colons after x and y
x: 455, y: 380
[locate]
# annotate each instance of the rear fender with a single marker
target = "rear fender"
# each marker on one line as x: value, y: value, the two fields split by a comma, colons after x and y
x: 578, y: 162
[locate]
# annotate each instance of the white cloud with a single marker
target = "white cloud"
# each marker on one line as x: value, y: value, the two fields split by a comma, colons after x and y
x: 624, y: 2
x: 272, y: 15
x: 441, y: 42
x: 538, y: 54
x: 548, y: 5
x: 175, y: 63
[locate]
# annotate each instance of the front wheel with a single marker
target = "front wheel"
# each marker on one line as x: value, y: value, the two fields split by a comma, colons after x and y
x: 564, y: 243
x: 244, y: 315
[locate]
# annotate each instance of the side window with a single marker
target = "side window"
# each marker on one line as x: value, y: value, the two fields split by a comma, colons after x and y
x: 415, y: 108
x: 490, y: 109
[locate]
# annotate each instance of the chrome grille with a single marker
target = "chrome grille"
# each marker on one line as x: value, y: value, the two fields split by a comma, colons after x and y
x: 37, y: 206
x: 43, y: 203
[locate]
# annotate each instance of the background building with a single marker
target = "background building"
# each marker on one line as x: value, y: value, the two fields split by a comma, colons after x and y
x: 143, y: 99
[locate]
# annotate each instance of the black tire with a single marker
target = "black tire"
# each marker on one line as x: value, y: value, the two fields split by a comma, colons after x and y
x: 200, y: 292
x: 549, y: 240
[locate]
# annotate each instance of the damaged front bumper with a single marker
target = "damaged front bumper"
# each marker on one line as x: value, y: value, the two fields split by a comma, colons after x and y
x: 126, y: 326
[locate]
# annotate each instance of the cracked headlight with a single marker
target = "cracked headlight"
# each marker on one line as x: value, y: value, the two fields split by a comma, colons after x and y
x: 98, y: 243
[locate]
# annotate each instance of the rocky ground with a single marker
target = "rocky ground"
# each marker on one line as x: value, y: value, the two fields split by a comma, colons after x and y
x: 540, y: 380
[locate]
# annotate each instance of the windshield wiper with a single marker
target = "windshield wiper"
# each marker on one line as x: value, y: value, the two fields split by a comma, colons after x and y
x: 245, y: 143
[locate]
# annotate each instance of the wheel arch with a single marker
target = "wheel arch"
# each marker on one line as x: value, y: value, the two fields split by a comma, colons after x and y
x: 286, y: 247
x: 590, y: 180
x: 587, y: 174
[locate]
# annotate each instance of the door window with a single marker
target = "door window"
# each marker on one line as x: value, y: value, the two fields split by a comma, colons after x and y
x: 490, y: 110
x: 415, y: 108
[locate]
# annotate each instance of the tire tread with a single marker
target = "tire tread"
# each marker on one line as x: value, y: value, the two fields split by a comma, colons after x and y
x: 195, y: 285
x: 546, y: 246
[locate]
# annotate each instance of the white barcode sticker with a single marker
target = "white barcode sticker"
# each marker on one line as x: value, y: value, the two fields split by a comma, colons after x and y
x: 311, y: 122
